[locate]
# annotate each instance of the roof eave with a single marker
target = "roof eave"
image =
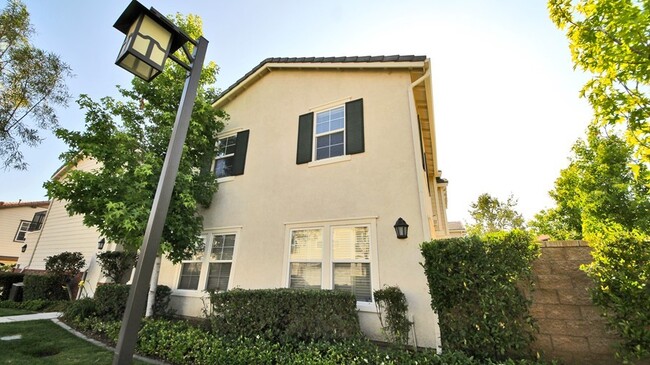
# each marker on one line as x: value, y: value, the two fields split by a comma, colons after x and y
x: 265, y: 68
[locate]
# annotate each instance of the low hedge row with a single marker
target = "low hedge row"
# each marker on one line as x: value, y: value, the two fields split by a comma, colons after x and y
x: 44, y: 287
x: 285, y: 315
x: 37, y: 305
x: 181, y: 343
x: 7, y: 279
x: 109, y: 303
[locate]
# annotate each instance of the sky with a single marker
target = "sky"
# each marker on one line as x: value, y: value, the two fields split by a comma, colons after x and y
x: 506, y: 97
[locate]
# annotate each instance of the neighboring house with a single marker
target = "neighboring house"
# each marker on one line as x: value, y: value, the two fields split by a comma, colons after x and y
x: 457, y: 229
x: 320, y: 159
x: 17, y: 221
x: 61, y: 232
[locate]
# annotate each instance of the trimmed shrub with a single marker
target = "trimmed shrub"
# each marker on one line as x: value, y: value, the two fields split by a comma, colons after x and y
x: 80, y: 309
x: 65, y: 266
x: 115, y: 264
x: 45, y: 287
x: 7, y: 280
x: 37, y: 305
x: 110, y: 301
x: 477, y: 287
x: 285, y: 315
x: 392, y: 310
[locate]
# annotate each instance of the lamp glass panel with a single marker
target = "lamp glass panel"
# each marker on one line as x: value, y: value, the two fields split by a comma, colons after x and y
x: 161, y: 40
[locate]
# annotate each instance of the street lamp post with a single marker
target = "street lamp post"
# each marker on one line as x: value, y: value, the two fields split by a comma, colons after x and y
x: 150, y: 40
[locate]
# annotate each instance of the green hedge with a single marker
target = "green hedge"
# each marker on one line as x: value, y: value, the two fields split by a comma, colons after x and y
x: 180, y: 343
x: 476, y: 286
x: 621, y: 274
x: 37, y: 305
x: 285, y: 315
x: 45, y: 287
x: 110, y: 301
x: 7, y: 279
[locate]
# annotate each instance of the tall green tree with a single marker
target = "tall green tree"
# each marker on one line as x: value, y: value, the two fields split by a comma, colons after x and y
x: 609, y: 39
x: 32, y: 84
x: 603, y: 184
x: 491, y: 215
x: 129, y: 139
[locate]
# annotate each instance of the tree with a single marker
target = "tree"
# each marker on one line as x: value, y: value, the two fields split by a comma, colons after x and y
x: 129, y: 140
x: 116, y: 263
x: 609, y: 39
x: 32, y: 83
x: 491, y: 215
x: 65, y: 266
x: 603, y: 184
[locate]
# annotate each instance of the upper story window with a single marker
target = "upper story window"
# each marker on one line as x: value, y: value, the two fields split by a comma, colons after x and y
x: 336, y: 132
x: 225, y: 156
x: 23, y: 228
x: 37, y: 221
x: 231, y: 155
x: 330, y: 131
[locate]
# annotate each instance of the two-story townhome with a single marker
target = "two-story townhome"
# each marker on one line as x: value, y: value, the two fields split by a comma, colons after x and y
x: 17, y: 220
x: 320, y: 160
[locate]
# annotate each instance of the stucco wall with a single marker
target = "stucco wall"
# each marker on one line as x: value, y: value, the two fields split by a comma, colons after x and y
x: 274, y: 193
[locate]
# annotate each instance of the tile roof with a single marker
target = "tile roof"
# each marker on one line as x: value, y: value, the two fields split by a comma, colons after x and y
x: 348, y: 59
x: 34, y: 204
x: 455, y: 226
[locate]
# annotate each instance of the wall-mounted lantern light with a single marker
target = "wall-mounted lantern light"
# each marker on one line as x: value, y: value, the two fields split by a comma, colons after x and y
x: 24, y: 248
x: 100, y: 244
x: 401, y: 228
x: 150, y: 39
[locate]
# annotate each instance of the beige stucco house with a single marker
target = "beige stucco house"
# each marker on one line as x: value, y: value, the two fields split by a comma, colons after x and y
x: 320, y: 159
x: 17, y: 221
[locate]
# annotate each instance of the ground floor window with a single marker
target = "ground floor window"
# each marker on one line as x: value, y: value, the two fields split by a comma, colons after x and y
x: 211, y: 267
x: 333, y: 255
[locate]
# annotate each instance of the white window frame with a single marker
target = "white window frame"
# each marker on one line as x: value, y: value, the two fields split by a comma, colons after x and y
x: 327, y: 263
x: 225, y: 136
x: 23, y: 227
x: 316, y: 134
x: 208, y: 237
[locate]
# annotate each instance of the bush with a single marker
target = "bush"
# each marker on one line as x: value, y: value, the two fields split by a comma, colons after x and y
x: 37, y: 305
x: 476, y: 287
x: 285, y: 315
x: 110, y: 301
x: 80, y: 309
x: 45, y: 287
x: 621, y: 274
x: 115, y: 264
x: 7, y: 280
x: 65, y: 266
x: 392, y: 302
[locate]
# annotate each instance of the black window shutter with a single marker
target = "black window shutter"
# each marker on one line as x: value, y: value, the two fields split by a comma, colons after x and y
x: 305, y: 131
x: 354, y: 127
x: 239, y: 160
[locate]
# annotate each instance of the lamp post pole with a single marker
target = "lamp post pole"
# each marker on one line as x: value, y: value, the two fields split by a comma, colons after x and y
x: 137, y: 300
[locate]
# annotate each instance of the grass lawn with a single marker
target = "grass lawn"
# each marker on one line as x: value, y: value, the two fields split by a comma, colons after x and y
x: 44, y: 342
x: 13, y: 312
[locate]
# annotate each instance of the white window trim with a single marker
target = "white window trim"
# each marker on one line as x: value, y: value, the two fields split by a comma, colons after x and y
x: 327, y: 264
x: 225, y: 135
x: 26, y: 230
x: 208, y: 235
x: 315, y: 134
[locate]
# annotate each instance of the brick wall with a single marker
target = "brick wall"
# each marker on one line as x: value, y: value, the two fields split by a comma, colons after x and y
x: 570, y: 326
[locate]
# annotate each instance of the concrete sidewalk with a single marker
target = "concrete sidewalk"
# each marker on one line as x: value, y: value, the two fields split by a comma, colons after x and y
x: 30, y: 317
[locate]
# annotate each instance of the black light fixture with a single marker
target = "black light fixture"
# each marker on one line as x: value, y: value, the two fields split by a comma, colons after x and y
x: 24, y: 248
x: 401, y: 228
x: 150, y: 39
x: 100, y: 244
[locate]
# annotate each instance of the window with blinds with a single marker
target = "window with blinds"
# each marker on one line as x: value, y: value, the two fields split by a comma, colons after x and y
x: 332, y: 257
